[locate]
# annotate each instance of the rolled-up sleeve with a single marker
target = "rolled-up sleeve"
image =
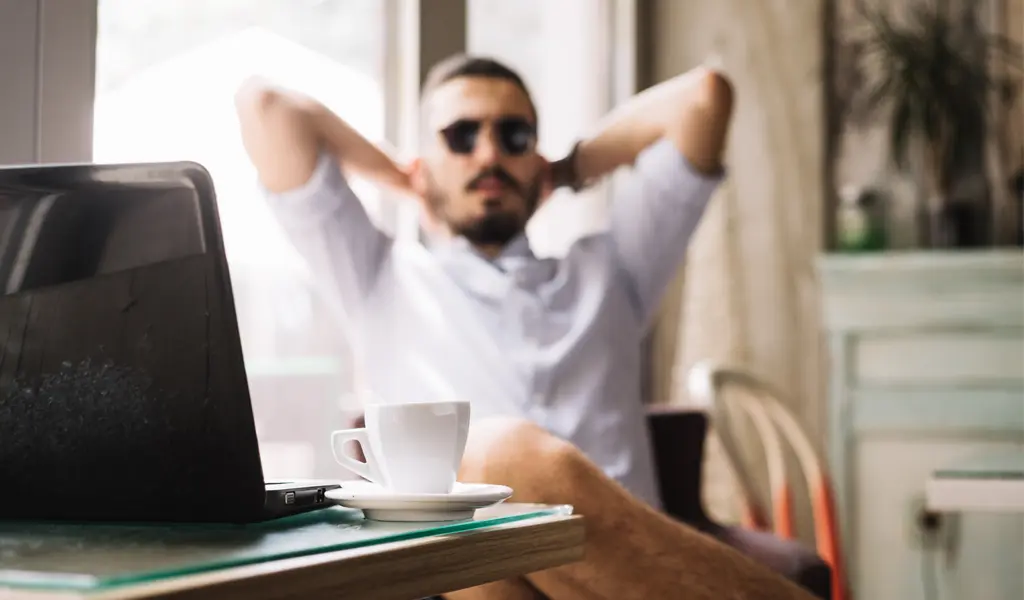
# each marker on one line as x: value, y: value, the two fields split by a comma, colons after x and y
x: 653, y: 219
x: 331, y: 229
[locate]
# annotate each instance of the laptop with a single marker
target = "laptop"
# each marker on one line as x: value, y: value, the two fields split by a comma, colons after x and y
x: 123, y: 390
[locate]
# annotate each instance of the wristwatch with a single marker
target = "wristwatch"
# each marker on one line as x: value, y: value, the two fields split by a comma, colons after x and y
x: 563, y: 171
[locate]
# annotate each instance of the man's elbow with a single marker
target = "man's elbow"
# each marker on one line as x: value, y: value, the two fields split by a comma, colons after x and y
x: 277, y: 134
x: 702, y: 124
x: 256, y: 97
x: 718, y: 90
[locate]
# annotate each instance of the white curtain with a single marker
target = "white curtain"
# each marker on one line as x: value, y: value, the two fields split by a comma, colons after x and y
x: 748, y: 293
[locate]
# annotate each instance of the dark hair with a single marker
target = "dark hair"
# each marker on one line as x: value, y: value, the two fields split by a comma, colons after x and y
x: 463, y: 65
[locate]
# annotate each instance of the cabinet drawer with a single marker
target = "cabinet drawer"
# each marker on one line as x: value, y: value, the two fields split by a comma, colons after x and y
x: 944, y: 358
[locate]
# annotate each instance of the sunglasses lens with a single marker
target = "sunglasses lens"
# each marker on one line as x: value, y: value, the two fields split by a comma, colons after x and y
x: 461, y: 136
x: 516, y: 136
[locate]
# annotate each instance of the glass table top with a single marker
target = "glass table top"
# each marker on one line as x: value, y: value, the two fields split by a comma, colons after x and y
x: 100, y: 556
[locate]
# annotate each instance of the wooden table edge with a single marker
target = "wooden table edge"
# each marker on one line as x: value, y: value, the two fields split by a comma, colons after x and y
x: 400, y: 570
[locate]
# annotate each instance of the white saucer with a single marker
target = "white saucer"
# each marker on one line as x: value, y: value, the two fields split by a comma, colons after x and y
x: 380, y: 504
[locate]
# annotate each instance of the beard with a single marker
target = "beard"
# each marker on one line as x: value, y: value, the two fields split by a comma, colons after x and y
x: 494, y: 229
x: 497, y: 227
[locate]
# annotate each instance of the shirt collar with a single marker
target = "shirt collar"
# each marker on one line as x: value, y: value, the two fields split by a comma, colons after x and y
x: 491, y: 278
x: 516, y: 252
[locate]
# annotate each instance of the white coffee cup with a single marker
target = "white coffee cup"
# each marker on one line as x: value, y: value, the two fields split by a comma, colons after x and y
x: 409, y: 448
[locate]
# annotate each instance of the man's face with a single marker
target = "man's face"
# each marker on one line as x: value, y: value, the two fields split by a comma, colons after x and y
x: 481, y: 168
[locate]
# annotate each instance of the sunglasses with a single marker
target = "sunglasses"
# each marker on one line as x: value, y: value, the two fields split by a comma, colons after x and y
x: 514, y: 135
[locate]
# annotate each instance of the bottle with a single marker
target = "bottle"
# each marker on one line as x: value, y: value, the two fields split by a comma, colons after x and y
x: 860, y: 220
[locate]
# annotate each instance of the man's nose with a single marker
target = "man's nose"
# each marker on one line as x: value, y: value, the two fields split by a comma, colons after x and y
x: 486, y: 151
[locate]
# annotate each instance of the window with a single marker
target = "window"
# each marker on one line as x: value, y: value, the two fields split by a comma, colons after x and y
x: 167, y: 71
x: 564, y: 51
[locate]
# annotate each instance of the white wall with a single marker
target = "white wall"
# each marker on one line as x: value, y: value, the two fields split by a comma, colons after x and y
x: 48, y: 59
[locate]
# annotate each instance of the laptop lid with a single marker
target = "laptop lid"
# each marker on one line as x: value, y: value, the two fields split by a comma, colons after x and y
x: 123, y: 393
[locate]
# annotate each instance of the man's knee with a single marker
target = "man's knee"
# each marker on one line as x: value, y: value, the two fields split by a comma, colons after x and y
x: 517, y: 453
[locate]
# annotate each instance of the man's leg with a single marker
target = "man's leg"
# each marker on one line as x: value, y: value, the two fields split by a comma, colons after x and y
x: 511, y: 589
x: 632, y: 550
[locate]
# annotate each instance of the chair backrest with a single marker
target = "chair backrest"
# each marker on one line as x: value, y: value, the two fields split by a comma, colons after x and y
x: 773, y: 422
x: 702, y: 395
x: 775, y: 464
x: 677, y: 437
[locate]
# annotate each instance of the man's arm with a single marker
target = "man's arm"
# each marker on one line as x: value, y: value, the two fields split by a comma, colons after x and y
x: 284, y: 132
x: 692, y: 111
x: 299, y: 149
x: 674, y: 135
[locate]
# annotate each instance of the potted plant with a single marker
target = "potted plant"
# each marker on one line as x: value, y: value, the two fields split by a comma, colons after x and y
x: 935, y: 76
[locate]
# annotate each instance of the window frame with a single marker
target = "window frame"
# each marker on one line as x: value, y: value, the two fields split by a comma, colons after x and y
x: 46, y: 107
x: 50, y: 56
x: 46, y: 110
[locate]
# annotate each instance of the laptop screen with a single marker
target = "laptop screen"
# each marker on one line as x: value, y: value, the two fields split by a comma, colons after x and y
x: 53, y: 237
x: 119, y: 351
x: 94, y: 276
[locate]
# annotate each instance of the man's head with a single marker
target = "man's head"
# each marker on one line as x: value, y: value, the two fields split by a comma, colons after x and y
x: 480, y: 173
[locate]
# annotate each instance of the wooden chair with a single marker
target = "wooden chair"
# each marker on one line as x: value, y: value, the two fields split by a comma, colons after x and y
x: 729, y: 393
x: 678, y: 435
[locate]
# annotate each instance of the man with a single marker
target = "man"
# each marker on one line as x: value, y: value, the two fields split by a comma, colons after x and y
x: 469, y: 311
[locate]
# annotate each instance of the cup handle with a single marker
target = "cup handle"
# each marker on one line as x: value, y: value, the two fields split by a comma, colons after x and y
x: 367, y: 470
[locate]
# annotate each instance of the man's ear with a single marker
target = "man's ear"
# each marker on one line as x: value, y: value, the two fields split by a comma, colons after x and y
x: 418, y: 182
x: 418, y: 177
x: 546, y: 182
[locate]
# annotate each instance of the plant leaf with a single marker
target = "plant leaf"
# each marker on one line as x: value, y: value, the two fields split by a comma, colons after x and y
x: 936, y: 73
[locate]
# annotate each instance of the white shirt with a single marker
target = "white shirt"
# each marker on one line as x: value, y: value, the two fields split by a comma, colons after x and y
x: 557, y: 341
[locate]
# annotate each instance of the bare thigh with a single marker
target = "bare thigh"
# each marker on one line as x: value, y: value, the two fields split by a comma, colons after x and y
x: 632, y: 550
x: 509, y: 589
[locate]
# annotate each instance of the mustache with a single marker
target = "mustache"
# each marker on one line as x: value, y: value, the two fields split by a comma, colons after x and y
x: 497, y: 173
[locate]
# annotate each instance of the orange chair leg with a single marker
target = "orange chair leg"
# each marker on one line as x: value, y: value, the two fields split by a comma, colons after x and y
x: 784, y: 513
x: 826, y: 532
